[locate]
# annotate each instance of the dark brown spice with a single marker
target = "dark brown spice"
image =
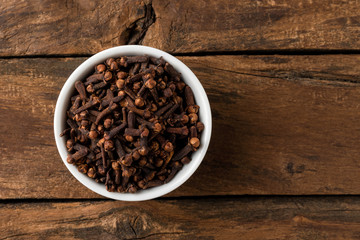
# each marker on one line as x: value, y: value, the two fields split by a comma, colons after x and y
x: 132, y: 124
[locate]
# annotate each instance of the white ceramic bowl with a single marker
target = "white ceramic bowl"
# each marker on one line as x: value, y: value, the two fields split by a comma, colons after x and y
x: 189, y: 78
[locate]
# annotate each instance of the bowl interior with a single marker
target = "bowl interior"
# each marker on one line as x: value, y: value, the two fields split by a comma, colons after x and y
x: 188, y: 77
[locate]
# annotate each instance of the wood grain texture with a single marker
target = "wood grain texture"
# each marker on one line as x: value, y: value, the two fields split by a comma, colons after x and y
x: 85, y: 27
x: 38, y: 27
x: 245, y: 218
x: 281, y: 125
x: 201, y: 26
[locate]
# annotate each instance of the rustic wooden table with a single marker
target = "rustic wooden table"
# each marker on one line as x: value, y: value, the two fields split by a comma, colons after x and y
x: 283, y: 81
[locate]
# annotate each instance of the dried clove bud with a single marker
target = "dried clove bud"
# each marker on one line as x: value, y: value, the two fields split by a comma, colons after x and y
x: 100, y: 68
x: 144, y: 113
x: 88, y: 105
x: 115, y: 131
x: 193, y: 117
x: 108, y: 76
x: 91, y: 173
x: 83, y: 168
x: 199, y: 126
x: 183, y: 152
x: 151, y: 83
x: 77, y: 155
x: 105, y: 112
x: 108, y: 145
x: 81, y: 89
x: 195, y: 142
x: 185, y: 160
x: 139, y: 102
x: 182, y: 131
x: 70, y: 144
x: 108, y: 123
x: 94, y: 78
x: 122, y: 75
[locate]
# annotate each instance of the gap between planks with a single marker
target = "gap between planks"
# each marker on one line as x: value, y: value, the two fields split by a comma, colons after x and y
x: 184, y: 198
x: 212, y: 53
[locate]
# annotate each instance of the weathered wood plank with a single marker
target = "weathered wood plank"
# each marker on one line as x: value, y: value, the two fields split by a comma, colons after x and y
x: 85, y: 27
x: 243, y: 218
x: 200, y: 26
x: 40, y: 27
x: 282, y: 125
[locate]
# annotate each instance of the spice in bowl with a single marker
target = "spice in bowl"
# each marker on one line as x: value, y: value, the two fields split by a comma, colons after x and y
x: 132, y: 124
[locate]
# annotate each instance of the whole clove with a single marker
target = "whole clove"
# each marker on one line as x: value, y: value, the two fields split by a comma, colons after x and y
x: 132, y: 124
x: 96, y: 77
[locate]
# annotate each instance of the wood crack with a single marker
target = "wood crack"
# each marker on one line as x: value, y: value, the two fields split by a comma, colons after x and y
x: 131, y: 224
x: 138, y: 29
x: 13, y: 236
x: 156, y: 234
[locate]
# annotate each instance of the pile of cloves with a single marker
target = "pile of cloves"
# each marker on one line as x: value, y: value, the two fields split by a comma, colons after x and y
x: 132, y: 123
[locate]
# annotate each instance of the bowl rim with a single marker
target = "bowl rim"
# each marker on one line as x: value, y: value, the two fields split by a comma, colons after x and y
x: 188, y: 77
